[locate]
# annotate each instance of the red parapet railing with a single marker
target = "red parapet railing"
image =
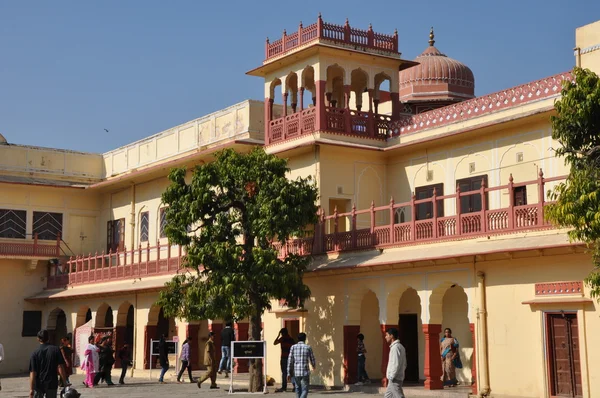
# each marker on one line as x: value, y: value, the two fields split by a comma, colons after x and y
x: 294, y: 125
x: 126, y: 264
x: 539, y: 89
x: 382, y: 226
x: 32, y: 248
x: 342, y: 34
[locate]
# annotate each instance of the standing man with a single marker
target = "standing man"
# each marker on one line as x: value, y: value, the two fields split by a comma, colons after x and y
x: 286, y: 342
x: 227, y: 336
x: 43, y: 363
x: 396, y: 365
x: 301, y: 355
x: 125, y: 358
x: 210, y: 360
x: 163, y: 358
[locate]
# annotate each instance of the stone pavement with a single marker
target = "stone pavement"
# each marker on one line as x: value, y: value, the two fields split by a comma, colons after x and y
x: 18, y: 387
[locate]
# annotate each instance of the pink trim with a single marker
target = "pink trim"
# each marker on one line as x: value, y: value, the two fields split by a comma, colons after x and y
x: 558, y: 288
x: 17, y: 248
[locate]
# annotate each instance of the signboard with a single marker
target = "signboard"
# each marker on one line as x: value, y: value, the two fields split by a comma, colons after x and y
x: 81, y: 342
x: 248, y: 349
x: 171, y: 347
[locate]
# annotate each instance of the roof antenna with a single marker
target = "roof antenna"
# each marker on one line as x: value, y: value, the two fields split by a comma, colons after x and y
x: 431, y: 36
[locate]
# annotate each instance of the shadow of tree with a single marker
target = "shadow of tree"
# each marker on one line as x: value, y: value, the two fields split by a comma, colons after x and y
x: 326, y: 340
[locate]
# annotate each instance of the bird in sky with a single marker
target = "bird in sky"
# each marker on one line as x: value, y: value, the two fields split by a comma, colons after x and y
x: 106, y: 130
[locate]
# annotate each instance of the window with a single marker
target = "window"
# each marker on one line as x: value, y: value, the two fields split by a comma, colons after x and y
x: 115, y: 235
x: 47, y: 226
x: 425, y: 210
x: 520, y: 196
x: 13, y: 223
x: 144, y: 226
x: 472, y: 203
x: 32, y: 323
x: 163, y: 222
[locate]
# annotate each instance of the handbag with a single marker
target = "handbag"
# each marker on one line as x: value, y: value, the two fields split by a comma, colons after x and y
x: 456, y: 361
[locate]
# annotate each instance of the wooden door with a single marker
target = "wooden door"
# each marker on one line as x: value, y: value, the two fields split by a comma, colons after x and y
x: 293, y: 327
x: 563, y: 355
x: 409, y: 338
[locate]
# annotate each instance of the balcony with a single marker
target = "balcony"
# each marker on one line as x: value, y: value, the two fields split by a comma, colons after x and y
x: 329, y: 33
x: 349, y: 231
x: 29, y: 248
x: 127, y: 264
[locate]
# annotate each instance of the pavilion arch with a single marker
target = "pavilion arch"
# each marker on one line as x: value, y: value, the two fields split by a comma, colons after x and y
x: 104, y: 317
x: 354, y: 305
x: 392, y: 300
x: 163, y: 324
x: 57, y: 325
x: 335, y: 86
x: 291, y: 88
x: 380, y: 78
x: 359, y: 81
x: 308, y: 82
x: 436, y: 300
x: 122, y: 313
x: 84, y: 315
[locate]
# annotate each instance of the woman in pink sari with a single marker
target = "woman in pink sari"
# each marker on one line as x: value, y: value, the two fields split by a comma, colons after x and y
x: 90, y: 363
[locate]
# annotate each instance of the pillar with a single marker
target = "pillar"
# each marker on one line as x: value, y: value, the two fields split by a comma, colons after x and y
x: 119, y: 340
x: 268, y: 116
x: 433, y: 361
x: 149, y: 334
x: 301, y: 99
x: 191, y: 332
x: 473, y: 360
x: 320, y: 105
x: 350, y: 356
x: 395, y: 97
x: 242, y: 328
x: 385, y: 353
x: 285, y: 105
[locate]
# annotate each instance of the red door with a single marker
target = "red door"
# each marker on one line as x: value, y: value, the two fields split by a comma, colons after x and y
x: 563, y: 355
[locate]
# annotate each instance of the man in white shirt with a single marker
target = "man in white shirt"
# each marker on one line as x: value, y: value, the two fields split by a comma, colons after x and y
x: 396, y: 365
x: 1, y: 360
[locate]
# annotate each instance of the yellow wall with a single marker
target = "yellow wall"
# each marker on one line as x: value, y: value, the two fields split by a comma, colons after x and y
x: 587, y: 43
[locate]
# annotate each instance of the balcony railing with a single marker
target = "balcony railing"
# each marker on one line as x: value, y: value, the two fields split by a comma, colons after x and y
x: 29, y: 248
x: 342, y: 34
x: 377, y: 227
x: 120, y: 265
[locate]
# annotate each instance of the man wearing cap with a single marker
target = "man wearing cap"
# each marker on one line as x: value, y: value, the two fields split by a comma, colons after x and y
x: 210, y: 360
x: 44, y: 362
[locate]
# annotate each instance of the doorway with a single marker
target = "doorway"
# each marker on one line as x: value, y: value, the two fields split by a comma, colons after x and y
x: 293, y: 327
x: 564, y: 365
x: 409, y: 337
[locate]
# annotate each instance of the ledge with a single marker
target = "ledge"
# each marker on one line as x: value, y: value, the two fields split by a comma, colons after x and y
x: 559, y: 300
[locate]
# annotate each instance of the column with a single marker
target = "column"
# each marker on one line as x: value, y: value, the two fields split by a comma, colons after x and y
x: 268, y: 116
x: 191, y: 331
x: 320, y: 105
x: 149, y: 334
x: 348, y: 118
x: 285, y: 98
x: 301, y: 99
x: 119, y: 340
x: 350, y: 356
x: 433, y: 362
x: 474, y: 359
x: 395, y: 97
x: 243, y: 366
x: 385, y: 353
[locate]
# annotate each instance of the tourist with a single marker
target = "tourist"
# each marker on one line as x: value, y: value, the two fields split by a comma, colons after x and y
x: 286, y: 342
x: 185, y: 361
x: 91, y: 363
x: 363, y: 377
x: 1, y: 360
x: 210, y: 360
x: 125, y: 357
x: 107, y: 360
x: 163, y: 358
x: 301, y: 354
x: 450, y: 358
x: 67, y: 353
x: 43, y: 364
x: 396, y: 365
x: 227, y: 336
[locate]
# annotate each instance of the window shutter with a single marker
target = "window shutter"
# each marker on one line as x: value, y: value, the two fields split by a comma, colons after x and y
x: 109, y: 235
x: 121, y: 234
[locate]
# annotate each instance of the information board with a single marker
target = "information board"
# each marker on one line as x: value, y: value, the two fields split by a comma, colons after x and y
x: 248, y: 349
x: 171, y: 347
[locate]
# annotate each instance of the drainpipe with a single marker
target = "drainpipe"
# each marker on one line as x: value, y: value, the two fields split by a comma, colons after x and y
x: 577, y: 52
x: 134, y: 351
x: 484, y: 388
x: 132, y: 217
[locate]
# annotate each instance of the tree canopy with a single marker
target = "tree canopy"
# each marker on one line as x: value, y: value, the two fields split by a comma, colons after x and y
x: 228, y: 218
x: 576, y: 127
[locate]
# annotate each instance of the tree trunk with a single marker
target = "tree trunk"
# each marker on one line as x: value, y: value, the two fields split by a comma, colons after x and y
x: 257, y: 378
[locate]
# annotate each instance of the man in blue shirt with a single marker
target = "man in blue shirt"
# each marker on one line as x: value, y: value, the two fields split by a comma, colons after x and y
x: 301, y: 354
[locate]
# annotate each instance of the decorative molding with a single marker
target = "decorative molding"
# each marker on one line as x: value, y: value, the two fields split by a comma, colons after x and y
x: 590, y: 49
x: 558, y: 288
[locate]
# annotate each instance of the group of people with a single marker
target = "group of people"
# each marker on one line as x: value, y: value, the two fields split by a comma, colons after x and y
x: 99, y: 359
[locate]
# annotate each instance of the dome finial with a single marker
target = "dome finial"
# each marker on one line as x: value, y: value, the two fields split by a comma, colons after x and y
x: 431, y: 36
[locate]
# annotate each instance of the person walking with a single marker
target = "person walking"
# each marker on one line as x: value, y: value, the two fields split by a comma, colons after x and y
x: 107, y: 360
x: 1, y: 360
x: 210, y: 360
x: 286, y: 342
x: 163, y: 358
x: 450, y: 358
x: 301, y: 354
x: 125, y: 357
x: 91, y: 362
x: 363, y: 377
x: 227, y: 336
x: 185, y: 361
x: 43, y: 364
x: 396, y: 365
x: 67, y: 353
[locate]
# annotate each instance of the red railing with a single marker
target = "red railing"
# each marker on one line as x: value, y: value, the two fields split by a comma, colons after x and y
x: 126, y: 264
x: 343, y: 34
x: 379, y: 228
x: 539, y: 89
x: 18, y: 248
x: 294, y: 125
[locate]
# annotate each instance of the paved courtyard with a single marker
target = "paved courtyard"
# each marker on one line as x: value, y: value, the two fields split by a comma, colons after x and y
x: 17, y: 387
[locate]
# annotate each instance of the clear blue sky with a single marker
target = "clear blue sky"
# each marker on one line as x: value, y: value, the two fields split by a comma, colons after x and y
x: 70, y: 69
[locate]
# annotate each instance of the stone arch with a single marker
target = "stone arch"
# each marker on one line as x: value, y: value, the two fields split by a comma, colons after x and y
x: 104, y: 317
x: 370, y: 327
x: 354, y: 303
x: 84, y: 315
x: 308, y: 82
x: 122, y: 313
x: 274, y: 84
x: 489, y: 165
x: 57, y: 325
x: 410, y: 325
x: 157, y: 318
x: 291, y: 88
x: 392, y: 300
x: 419, y: 179
x: 455, y: 315
x: 335, y: 85
x: 359, y: 81
x: 436, y: 299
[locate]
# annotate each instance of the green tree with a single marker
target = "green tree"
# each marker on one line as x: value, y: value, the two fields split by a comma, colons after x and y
x: 228, y: 218
x: 576, y: 127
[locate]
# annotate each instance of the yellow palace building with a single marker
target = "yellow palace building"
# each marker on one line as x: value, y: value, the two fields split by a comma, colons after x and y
x: 432, y: 216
